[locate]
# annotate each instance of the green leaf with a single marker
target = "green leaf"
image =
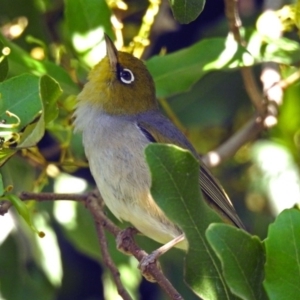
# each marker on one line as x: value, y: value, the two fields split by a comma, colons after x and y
x: 175, y: 188
x: 93, y: 14
x: 86, y: 29
x: 49, y: 92
x: 3, y: 63
x: 186, y: 11
x: 33, y: 101
x: 242, y: 257
x: 177, y: 72
x: 30, y: 280
x: 283, y: 252
x: 281, y: 50
x: 21, y: 62
x: 23, y: 211
x: 32, y: 133
x: 20, y: 96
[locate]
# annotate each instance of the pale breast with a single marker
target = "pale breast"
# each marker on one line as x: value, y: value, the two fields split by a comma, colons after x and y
x: 114, y: 147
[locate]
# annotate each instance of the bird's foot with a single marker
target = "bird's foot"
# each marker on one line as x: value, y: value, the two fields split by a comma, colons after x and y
x: 146, y: 263
x: 125, y: 238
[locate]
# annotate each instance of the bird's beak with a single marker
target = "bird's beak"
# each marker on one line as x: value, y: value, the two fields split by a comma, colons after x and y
x: 111, y: 52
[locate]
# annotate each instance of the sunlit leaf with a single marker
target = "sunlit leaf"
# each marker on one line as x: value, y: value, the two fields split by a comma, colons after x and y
x: 177, y: 72
x: 93, y: 14
x: 86, y: 30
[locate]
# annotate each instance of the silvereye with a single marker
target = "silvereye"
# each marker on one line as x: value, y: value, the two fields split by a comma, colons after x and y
x: 119, y: 116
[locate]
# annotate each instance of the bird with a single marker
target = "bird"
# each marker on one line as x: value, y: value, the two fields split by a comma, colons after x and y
x: 118, y: 115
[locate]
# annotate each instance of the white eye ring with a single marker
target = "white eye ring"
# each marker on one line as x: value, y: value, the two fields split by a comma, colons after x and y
x: 126, y: 76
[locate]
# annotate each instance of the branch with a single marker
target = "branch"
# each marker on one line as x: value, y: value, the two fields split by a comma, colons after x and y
x: 250, y: 130
x: 94, y: 204
x: 266, y: 105
x: 132, y: 248
x: 235, y: 24
x: 103, y: 244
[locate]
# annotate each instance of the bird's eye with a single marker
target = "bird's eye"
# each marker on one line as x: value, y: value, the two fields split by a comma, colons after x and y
x: 126, y: 76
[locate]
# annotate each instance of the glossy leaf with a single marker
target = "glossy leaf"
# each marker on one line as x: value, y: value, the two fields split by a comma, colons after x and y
x: 93, y: 14
x: 49, y: 92
x: 283, y: 251
x: 33, y: 101
x: 20, y: 96
x: 186, y: 11
x: 242, y: 257
x: 177, y: 72
x: 32, y: 133
x: 86, y: 30
x: 175, y: 188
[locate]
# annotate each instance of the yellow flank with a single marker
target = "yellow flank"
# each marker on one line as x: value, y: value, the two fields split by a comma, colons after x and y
x: 106, y: 91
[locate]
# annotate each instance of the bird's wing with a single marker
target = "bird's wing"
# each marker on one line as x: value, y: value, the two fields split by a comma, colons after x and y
x: 161, y: 130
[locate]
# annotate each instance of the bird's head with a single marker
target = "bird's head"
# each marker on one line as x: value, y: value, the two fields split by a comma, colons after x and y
x: 119, y: 84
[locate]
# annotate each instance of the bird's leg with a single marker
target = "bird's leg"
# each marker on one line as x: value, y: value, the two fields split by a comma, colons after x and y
x: 152, y: 257
x: 125, y: 238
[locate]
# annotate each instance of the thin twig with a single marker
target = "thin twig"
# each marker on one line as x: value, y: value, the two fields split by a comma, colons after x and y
x: 93, y: 203
x: 109, y: 262
x: 132, y: 248
x: 290, y: 80
x: 53, y: 196
x: 266, y: 104
x: 248, y: 132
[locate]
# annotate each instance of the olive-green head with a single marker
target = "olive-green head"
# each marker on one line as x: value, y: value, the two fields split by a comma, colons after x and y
x: 119, y: 84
